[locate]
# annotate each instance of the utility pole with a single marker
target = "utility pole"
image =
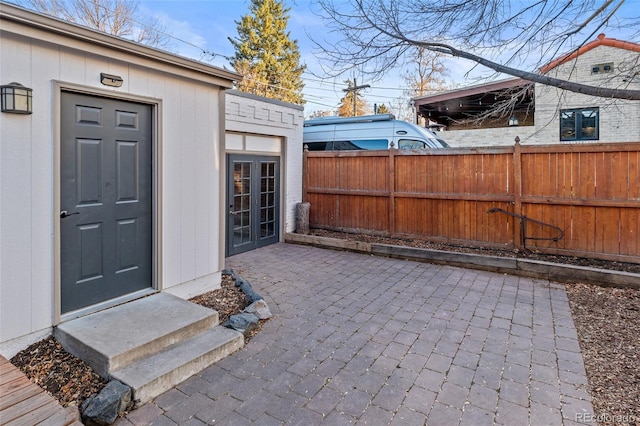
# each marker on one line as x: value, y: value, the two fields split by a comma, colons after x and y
x: 355, y: 89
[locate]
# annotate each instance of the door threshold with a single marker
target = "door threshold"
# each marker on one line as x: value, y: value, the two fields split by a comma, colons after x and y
x: 107, y: 304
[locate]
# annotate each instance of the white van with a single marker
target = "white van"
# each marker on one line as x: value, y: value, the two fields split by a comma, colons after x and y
x: 367, y: 132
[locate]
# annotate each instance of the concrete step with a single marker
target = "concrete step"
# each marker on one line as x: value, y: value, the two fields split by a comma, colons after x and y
x: 110, y: 340
x: 149, y: 377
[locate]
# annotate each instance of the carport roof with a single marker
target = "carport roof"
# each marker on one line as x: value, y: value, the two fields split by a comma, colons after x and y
x: 464, y: 103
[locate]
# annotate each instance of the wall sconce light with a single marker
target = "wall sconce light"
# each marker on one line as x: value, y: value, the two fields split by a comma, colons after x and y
x: 513, y: 121
x: 16, y: 98
x: 110, y: 80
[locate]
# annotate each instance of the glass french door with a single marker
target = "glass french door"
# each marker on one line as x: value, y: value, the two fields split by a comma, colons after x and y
x: 253, y: 201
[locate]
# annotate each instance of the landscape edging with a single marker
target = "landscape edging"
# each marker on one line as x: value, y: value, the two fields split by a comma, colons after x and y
x: 247, y: 320
x: 516, y: 266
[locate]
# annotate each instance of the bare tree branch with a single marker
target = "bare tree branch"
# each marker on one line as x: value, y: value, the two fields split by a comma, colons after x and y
x: 376, y: 34
x: 116, y: 17
x: 585, y: 89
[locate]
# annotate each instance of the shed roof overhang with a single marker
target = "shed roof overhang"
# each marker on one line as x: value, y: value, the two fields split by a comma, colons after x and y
x: 21, y: 17
x: 469, y: 102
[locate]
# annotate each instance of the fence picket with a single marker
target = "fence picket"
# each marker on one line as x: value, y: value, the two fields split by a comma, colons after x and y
x: 591, y: 191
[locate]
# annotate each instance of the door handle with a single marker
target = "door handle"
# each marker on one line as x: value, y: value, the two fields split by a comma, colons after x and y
x: 65, y: 213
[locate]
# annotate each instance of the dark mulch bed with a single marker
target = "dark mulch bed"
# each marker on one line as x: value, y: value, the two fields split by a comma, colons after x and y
x: 71, y: 381
x: 485, y: 251
x: 608, y: 324
x: 55, y: 370
x: 607, y: 321
x: 228, y: 300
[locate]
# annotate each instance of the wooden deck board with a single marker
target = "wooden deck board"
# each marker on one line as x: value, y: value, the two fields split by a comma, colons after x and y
x: 18, y: 395
x: 37, y: 415
x: 10, y: 376
x: 14, y: 386
x: 69, y: 416
x: 24, y: 407
x: 24, y: 403
x: 5, y: 367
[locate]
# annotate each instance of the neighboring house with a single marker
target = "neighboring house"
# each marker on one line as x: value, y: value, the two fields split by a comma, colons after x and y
x: 116, y: 185
x: 563, y: 116
x: 603, y: 62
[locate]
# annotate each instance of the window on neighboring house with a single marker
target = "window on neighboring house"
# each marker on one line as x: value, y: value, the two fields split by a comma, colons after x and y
x: 580, y: 124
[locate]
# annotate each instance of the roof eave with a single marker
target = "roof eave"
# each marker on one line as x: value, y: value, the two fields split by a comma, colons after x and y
x: 602, y: 40
x: 58, y: 26
x: 470, y: 91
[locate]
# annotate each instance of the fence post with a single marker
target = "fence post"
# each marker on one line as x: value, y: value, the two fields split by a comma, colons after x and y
x: 392, y: 191
x: 302, y: 218
x: 517, y: 194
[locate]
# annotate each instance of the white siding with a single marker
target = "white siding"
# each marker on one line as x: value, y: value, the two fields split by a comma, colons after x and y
x: 188, y: 137
x: 260, y: 125
x: 25, y: 233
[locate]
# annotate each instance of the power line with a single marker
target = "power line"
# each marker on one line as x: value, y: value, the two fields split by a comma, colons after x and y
x: 315, y: 80
x: 208, y: 55
x: 355, y: 89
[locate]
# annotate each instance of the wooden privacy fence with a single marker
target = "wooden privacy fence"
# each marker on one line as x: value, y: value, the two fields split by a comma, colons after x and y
x: 573, y: 199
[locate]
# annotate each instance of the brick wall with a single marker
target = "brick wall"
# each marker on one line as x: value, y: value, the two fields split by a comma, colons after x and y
x: 619, y: 119
x: 504, y: 136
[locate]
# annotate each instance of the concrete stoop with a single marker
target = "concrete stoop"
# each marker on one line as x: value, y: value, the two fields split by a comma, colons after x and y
x: 150, y: 344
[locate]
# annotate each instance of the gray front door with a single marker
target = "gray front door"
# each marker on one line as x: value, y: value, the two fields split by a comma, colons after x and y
x: 253, y: 196
x: 105, y: 199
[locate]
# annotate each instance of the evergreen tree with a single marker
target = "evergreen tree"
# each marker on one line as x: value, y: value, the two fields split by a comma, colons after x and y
x: 345, y: 109
x: 266, y: 55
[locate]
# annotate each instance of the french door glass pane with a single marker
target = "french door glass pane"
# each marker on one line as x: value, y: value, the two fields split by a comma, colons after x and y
x: 241, y: 208
x: 267, y: 195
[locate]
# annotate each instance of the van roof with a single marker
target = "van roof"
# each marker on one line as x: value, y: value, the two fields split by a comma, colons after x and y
x: 340, y: 120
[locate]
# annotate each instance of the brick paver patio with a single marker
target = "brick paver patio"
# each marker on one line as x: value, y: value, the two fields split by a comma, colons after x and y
x: 359, y: 339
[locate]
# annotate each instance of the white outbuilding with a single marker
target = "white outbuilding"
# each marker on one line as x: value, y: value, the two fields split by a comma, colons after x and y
x: 117, y: 182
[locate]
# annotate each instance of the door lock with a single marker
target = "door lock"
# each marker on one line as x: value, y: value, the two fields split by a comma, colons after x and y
x: 65, y: 213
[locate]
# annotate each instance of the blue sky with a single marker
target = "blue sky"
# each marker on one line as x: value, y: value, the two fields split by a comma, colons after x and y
x: 207, y: 24
x: 198, y: 25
